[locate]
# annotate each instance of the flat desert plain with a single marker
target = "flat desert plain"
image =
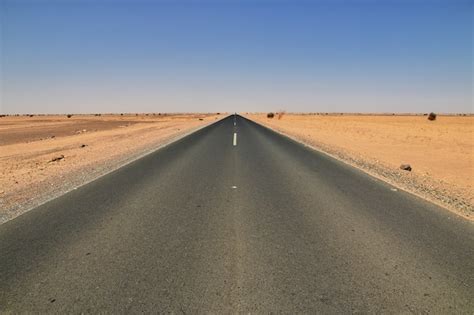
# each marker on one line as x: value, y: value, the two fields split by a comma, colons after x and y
x: 42, y: 157
x: 440, y: 152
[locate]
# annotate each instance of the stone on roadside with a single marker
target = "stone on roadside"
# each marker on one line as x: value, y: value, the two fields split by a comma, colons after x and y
x: 405, y: 167
x: 58, y: 158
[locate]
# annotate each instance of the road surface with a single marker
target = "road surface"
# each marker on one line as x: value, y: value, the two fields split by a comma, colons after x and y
x: 231, y: 219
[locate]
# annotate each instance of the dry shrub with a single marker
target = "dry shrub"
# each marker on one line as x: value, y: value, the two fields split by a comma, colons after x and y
x: 432, y: 116
x: 270, y: 115
x: 69, y: 116
x: 280, y: 114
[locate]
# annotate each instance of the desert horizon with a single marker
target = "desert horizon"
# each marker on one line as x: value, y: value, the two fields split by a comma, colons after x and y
x: 236, y: 157
x: 28, y: 142
x: 157, y: 113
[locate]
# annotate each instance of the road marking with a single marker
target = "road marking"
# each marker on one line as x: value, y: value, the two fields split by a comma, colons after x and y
x: 234, y: 187
x: 235, y: 139
x: 234, y: 123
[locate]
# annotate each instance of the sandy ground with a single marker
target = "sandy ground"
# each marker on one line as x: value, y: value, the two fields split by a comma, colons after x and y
x: 441, y: 152
x: 91, y: 146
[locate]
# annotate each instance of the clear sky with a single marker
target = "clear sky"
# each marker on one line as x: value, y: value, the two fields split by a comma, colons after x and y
x: 63, y: 56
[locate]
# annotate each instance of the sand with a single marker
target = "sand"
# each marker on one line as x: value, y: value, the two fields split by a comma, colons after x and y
x: 441, y: 152
x: 91, y: 146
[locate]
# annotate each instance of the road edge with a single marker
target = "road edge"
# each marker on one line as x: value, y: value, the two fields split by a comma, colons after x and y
x: 27, y: 207
x: 366, y: 171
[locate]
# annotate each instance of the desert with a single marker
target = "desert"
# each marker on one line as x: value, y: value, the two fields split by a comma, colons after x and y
x: 44, y: 156
x: 236, y: 157
x: 440, y: 152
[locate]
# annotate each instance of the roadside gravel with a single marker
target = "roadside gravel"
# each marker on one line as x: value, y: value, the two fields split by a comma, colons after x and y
x: 455, y: 198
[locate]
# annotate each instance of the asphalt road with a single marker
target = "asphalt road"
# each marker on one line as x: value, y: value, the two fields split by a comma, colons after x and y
x: 264, y: 226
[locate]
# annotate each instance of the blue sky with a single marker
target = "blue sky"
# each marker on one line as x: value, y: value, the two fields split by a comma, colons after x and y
x: 188, y: 56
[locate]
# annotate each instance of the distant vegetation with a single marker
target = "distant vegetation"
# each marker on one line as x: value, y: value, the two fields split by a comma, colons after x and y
x: 432, y: 116
x: 270, y: 115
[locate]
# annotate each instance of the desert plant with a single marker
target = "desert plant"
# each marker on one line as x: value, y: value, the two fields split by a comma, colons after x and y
x: 69, y: 116
x: 270, y: 115
x: 432, y: 116
x: 280, y: 114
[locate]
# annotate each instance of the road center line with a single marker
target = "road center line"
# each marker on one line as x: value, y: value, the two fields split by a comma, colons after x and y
x: 235, y: 139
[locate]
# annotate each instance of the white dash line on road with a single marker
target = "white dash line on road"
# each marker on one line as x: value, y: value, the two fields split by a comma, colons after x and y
x: 235, y: 139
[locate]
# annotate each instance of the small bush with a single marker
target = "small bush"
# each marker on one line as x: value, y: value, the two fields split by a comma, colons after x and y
x: 270, y: 115
x: 280, y: 114
x: 432, y: 116
x: 69, y: 116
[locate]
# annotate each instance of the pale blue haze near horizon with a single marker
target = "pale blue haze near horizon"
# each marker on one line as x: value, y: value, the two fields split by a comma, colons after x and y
x: 236, y: 56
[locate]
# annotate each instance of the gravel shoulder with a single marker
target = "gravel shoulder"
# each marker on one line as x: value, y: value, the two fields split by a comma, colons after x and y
x: 43, y: 157
x: 440, y: 152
